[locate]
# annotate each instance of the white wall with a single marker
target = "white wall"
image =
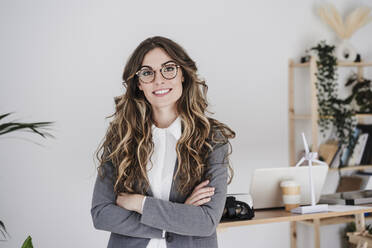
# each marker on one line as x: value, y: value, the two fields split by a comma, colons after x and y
x: 62, y: 61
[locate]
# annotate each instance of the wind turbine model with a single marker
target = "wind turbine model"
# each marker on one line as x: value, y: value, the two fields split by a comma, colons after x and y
x: 313, y: 208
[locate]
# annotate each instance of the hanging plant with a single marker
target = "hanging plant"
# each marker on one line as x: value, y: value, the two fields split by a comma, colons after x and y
x: 333, y: 112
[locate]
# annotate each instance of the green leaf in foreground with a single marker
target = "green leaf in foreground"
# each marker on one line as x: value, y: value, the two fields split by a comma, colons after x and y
x: 27, y: 243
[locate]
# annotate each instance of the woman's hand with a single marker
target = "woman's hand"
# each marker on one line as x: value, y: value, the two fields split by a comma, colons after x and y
x: 132, y: 202
x: 200, y: 194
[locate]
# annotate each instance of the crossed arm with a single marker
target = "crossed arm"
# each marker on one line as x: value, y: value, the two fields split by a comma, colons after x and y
x: 158, y: 215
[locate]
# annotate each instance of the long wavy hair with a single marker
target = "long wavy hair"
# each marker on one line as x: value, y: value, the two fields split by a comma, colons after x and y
x: 128, y: 141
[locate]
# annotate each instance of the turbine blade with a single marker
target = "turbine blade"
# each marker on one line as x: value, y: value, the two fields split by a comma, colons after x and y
x: 300, y: 162
x: 305, y: 143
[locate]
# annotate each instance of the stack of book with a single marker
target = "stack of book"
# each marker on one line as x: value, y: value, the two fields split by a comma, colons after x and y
x: 348, y: 198
x: 361, y: 153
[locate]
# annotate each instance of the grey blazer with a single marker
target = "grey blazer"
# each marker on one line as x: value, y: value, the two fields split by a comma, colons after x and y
x: 185, y: 225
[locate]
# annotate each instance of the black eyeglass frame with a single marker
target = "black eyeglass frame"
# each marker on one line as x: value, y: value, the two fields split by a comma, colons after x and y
x: 161, y: 72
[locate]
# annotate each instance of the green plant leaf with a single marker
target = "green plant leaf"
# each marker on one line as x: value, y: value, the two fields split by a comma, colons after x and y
x: 5, y: 115
x: 34, y: 127
x: 27, y: 243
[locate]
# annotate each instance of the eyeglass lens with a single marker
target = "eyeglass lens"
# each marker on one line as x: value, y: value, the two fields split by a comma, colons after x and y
x: 147, y: 75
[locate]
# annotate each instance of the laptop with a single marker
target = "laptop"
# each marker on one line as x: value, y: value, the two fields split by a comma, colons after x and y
x: 265, y: 186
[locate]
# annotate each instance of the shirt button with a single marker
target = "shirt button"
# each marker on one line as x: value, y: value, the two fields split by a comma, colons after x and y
x: 168, y: 237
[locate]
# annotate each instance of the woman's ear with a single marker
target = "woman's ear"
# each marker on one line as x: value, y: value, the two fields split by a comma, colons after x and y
x: 139, y: 86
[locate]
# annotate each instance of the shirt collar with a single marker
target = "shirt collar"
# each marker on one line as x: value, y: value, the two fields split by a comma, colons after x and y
x: 174, y: 128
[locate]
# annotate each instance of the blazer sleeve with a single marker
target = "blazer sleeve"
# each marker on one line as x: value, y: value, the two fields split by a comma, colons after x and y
x: 187, y: 219
x: 107, y: 216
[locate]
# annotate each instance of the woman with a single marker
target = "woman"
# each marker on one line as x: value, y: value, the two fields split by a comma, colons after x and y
x: 164, y: 164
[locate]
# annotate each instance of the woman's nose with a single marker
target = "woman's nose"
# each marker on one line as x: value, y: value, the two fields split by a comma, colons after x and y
x: 158, y: 78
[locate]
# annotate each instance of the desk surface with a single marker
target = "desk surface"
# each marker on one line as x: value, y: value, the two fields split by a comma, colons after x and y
x: 280, y: 215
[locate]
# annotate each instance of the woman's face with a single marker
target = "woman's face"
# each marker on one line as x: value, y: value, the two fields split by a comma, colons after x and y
x: 161, y: 92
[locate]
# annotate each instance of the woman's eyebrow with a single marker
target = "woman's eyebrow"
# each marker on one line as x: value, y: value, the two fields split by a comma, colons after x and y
x: 161, y: 64
x: 168, y: 62
x: 145, y: 66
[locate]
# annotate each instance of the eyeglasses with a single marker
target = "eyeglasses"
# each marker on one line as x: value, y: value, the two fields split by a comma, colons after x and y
x: 147, y: 74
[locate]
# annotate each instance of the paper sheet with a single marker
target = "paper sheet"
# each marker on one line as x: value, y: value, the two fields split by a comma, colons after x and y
x: 344, y: 208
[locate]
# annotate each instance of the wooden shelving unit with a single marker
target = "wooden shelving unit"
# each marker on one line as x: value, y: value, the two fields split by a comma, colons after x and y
x: 313, y: 118
x: 313, y: 115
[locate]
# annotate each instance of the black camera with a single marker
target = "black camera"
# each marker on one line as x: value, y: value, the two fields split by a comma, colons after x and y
x: 236, y: 210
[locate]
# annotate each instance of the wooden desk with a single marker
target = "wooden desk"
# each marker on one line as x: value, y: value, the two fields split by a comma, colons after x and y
x: 280, y: 215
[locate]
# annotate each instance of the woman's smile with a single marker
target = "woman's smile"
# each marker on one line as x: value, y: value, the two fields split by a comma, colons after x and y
x: 162, y: 92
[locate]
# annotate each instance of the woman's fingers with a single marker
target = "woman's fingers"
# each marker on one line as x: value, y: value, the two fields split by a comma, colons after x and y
x: 202, y: 201
x: 201, y: 196
x: 201, y: 185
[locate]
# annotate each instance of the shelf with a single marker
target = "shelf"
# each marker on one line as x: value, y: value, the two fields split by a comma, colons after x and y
x: 308, y: 117
x: 333, y: 220
x: 265, y: 216
x: 301, y: 117
x: 342, y: 64
x: 352, y: 167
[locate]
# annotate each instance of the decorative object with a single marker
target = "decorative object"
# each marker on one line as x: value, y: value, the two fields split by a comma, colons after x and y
x: 351, y: 231
x: 344, y: 30
x: 310, y: 157
x: 345, y: 51
x: 332, y: 111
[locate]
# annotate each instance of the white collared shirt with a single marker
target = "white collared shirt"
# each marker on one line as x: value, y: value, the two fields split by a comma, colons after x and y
x: 160, y: 172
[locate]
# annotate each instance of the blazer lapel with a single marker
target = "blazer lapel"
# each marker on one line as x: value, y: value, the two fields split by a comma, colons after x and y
x: 173, y: 192
x: 149, y: 192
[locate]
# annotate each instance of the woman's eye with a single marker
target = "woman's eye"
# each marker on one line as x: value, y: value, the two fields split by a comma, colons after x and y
x: 169, y: 68
x: 146, y: 73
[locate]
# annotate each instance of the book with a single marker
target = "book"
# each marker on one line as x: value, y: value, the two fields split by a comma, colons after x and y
x: 335, y: 163
x: 367, y: 154
x: 327, y: 151
x: 356, y: 158
x: 349, y: 183
x: 366, y: 179
x: 364, y: 119
x: 348, y: 198
x: 347, y: 151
